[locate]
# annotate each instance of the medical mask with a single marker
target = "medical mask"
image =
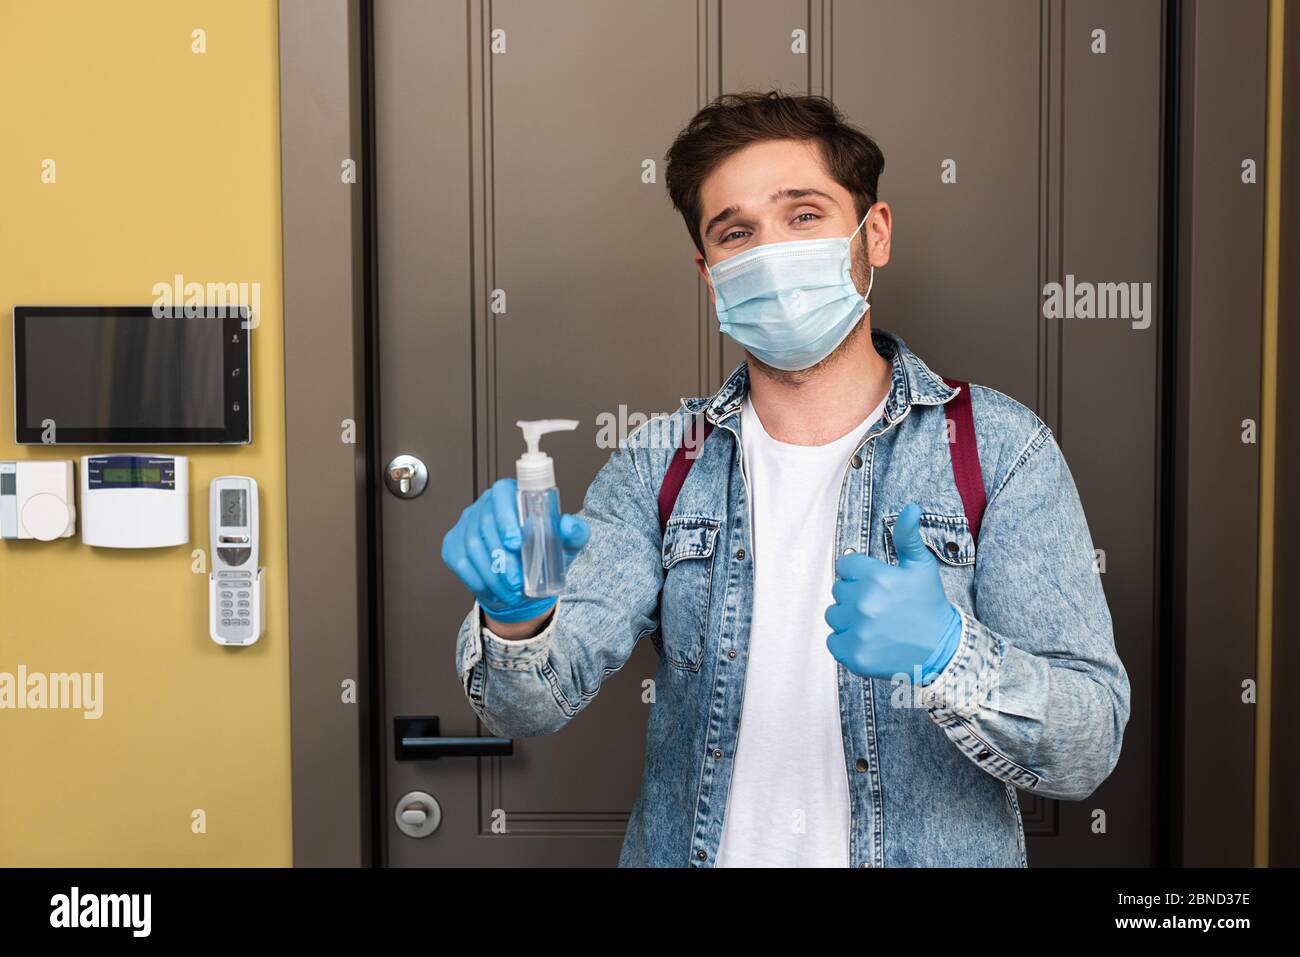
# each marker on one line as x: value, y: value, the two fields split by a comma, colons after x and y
x: 791, y: 303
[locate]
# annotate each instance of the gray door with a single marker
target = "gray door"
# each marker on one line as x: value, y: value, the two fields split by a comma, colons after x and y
x: 529, y: 265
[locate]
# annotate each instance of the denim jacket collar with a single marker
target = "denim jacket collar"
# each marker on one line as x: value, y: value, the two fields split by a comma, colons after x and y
x: 914, y: 383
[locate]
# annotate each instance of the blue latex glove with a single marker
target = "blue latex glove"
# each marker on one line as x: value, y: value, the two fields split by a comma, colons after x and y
x: 483, y: 550
x: 891, y: 619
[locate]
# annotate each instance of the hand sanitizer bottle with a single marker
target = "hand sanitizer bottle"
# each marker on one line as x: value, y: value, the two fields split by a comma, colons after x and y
x: 539, y: 511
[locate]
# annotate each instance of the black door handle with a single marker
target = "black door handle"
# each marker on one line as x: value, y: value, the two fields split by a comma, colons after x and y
x: 418, y: 739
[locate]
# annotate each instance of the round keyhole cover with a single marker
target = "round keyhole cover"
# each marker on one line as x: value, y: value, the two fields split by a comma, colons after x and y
x: 411, y: 469
x: 408, y: 806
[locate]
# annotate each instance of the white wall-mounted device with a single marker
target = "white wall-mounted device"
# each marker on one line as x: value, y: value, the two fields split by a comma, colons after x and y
x: 37, y: 500
x: 236, y: 587
x: 135, y: 500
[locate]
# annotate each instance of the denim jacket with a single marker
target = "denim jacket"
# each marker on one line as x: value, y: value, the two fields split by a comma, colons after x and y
x: 1035, y: 697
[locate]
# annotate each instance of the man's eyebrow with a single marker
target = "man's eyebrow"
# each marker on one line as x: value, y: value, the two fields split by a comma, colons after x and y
x: 779, y: 195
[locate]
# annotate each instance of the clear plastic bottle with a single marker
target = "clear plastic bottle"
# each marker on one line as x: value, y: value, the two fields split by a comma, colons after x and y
x: 542, y: 552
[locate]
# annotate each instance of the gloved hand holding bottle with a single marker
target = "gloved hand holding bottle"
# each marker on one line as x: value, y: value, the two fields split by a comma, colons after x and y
x: 512, y: 546
x: 483, y: 549
x: 893, y: 619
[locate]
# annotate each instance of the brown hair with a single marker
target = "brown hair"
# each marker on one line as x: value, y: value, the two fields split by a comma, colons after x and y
x: 735, y: 120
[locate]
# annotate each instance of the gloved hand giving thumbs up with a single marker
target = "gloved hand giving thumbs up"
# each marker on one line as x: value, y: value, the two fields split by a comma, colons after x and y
x: 891, y: 619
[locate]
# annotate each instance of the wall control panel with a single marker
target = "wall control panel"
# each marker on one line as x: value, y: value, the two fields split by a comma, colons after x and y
x: 135, y: 500
x: 37, y: 500
x: 237, y: 586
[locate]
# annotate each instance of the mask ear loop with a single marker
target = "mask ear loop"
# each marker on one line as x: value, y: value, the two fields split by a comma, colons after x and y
x: 872, y: 280
x: 860, y: 225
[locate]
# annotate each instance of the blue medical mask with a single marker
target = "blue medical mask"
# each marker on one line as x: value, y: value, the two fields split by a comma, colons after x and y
x: 791, y: 303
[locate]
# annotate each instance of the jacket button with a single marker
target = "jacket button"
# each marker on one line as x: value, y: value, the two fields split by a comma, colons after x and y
x: 740, y: 554
x: 983, y: 755
x: 731, y: 654
x: 951, y: 548
x: 702, y: 855
x: 856, y: 461
x: 860, y: 764
x: 717, y: 752
x: 850, y: 550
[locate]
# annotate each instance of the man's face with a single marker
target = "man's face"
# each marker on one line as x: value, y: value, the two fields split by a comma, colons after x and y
x: 776, y: 191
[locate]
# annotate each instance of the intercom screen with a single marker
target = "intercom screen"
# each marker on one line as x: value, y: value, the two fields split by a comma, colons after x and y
x: 120, y: 374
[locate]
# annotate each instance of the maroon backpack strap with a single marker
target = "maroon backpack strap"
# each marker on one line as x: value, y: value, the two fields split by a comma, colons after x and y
x: 678, y: 469
x: 966, y: 456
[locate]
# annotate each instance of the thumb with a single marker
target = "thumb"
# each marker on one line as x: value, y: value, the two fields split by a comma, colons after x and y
x: 907, y: 538
x: 574, y: 532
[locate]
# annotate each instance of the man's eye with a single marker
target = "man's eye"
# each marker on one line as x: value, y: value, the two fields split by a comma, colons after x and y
x: 730, y: 235
x: 802, y: 215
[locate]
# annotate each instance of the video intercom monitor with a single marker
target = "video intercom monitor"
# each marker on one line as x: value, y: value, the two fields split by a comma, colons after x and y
x: 121, y: 375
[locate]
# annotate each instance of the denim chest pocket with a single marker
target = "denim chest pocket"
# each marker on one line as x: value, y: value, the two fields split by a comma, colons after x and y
x: 688, y: 548
x: 947, y: 536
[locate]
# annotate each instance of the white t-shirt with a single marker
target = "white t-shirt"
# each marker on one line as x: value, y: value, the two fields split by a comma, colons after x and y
x: 788, y: 805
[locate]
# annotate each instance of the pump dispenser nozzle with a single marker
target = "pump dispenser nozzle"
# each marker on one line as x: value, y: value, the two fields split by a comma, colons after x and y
x: 535, y: 470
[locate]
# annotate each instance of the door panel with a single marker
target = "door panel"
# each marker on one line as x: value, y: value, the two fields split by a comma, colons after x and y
x: 599, y: 298
x: 1039, y: 192
x: 426, y: 385
x: 1104, y: 395
x: 957, y: 83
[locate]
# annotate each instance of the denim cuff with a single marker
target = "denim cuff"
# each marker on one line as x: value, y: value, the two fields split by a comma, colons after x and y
x: 506, y: 654
x: 971, y: 675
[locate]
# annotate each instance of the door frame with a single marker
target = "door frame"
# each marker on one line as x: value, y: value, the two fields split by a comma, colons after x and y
x: 328, y: 328
x: 1281, y: 781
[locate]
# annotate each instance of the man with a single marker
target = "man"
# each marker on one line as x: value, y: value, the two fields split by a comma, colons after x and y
x: 854, y: 670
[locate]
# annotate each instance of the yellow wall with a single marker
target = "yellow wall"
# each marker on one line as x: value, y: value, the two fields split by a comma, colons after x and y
x: 167, y: 162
